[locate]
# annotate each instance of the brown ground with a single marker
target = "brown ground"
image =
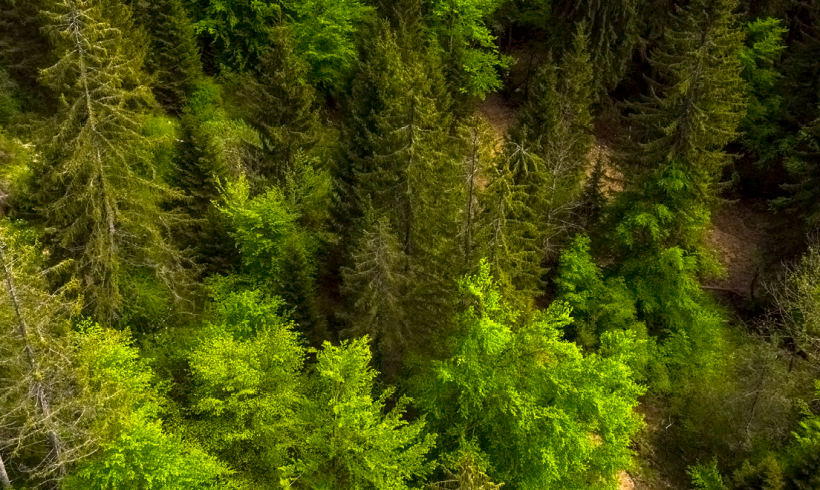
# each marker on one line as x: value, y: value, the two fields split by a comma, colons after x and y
x: 499, y: 114
x: 740, y: 237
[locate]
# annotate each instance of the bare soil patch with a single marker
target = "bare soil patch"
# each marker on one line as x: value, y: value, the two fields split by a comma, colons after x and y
x: 740, y: 237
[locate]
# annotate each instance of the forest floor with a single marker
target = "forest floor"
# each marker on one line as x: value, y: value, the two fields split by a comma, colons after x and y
x: 742, y: 238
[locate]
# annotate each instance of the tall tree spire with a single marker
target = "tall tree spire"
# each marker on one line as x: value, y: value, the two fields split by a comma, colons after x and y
x: 97, y: 187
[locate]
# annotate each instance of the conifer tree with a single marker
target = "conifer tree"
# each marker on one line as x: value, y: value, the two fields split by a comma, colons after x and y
x: 479, y: 162
x: 71, y: 391
x: 281, y: 105
x: 97, y: 187
x: 614, y: 28
x: 697, y: 101
x: 174, y: 55
x: 549, y: 149
x: 802, y: 66
x: 404, y: 163
x: 202, y: 165
x: 509, y: 236
x: 24, y: 48
x: 376, y: 284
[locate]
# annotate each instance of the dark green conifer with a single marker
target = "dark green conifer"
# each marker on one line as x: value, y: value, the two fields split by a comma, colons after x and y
x: 376, y: 285
x: 614, y: 30
x: 697, y: 100
x: 281, y: 105
x: 201, y: 167
x: 404, y: 163
x: 97, y: 188
x: 508, y: 237
x: 549, y: 151
x: 24, y: 47
x: 174, y: 55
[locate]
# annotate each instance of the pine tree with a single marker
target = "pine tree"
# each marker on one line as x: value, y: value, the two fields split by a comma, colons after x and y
x: 174, y: 59
x: 281, y: 105
x: 96, y: 186
x: 697, y: 101
x: 376, y: 284
x: 614, y: 29
x: 405, y: 165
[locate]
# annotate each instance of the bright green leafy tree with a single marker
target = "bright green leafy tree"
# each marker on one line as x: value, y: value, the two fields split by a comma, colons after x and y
x: 470, y: 51
x: 349, y: 441
x: 543, y: 414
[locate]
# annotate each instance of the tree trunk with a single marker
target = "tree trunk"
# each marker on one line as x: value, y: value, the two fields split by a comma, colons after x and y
x: 4, y: 477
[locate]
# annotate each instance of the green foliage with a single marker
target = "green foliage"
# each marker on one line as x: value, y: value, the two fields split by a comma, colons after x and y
x: 545, y: 415
x: 804, y: 454
x: 349, y: 442
x: 245, y: 374
x: 244, y: 30
x: 508, y: 234
x: 763, y: 49
x: 280, y: 103
x: 9, y: 103
x: 802, y: 163
x: 549, y: 150
x: 403, y: 162
x: 615, y: 32
x: 256, y: 411
x: 146, y: 458
x: 470, y: 52
x: 78, y: 399
x: 175, y: 60
x: 325, y: 36
x: 376, y: 283
x: 97, y: 187
x: 706, y: 477
x: 279, y: 235
x: 598, y: 304
x: 241, y: 30
x: 796, y: 305
x: 698, y: 98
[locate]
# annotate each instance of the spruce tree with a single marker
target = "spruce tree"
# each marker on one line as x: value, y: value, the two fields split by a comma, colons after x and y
x: 614, y: 30
x: 479, y: 162
x: 201, y: 166
x: 280, y: 103
x: 24, y: 48
x: 508, y: 237
x: 174, y: 55
x: 405, y: 164
x: 376, y: 284
x: 97, y: 189
x: 549, y: 150
x: 697, y: 100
